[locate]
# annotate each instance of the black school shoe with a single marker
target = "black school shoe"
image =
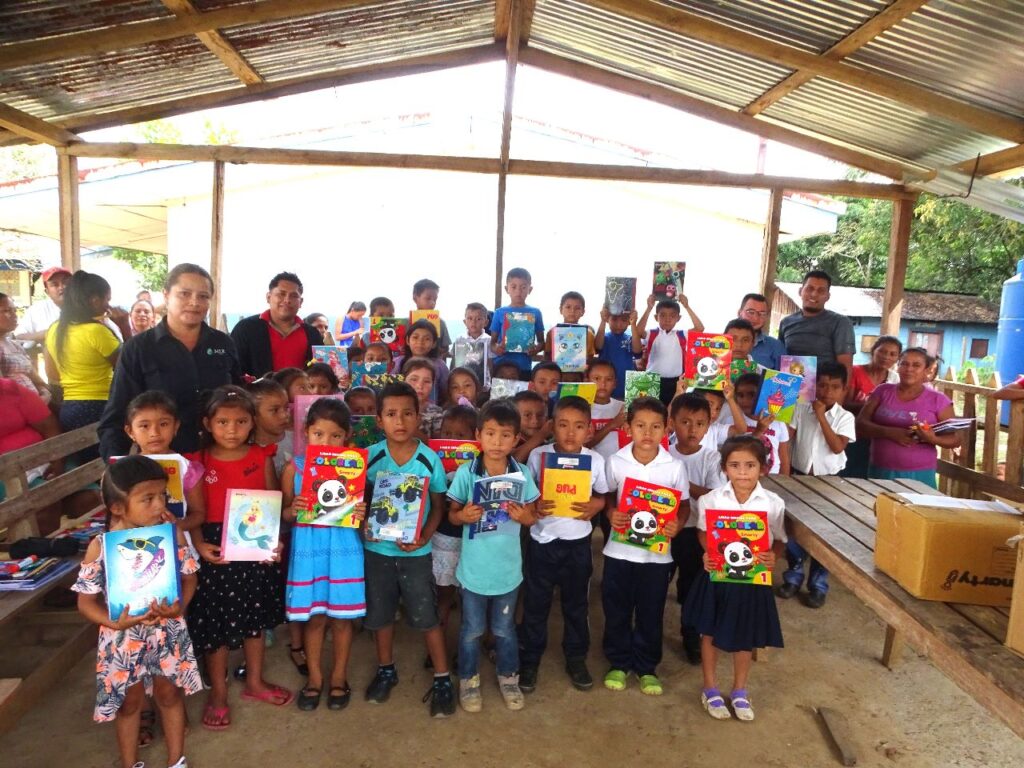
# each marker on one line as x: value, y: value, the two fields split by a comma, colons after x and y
x: 380, y: 687
x: 442, y: 697
x: 527, y: 678
x: 815, y: 599
x: 578, y: 673
x: 691, y: 648
x: 787, y: 590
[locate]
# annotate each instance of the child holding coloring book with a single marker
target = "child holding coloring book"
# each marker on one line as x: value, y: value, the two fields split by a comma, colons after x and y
x: 737, y: 617
x: 147, y: 654
x: 236, y: 601
x: 325, y: 570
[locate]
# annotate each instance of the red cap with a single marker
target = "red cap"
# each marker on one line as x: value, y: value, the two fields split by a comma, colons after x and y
x: 49, y: 273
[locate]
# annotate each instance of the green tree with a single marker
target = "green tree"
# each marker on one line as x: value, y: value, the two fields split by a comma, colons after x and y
x: 152, y: 267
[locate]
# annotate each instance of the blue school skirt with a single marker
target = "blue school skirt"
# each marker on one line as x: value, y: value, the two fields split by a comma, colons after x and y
x: 738, y: 617
x: 325, y: 573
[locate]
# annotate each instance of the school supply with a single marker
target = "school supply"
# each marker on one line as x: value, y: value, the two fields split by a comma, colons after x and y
x: 28, y: 577
x: 140, y: 565
x: 649, y: 508
x: 585, y: 389
x: 948, y: 425
x: 389, y: 331
x: 779, y: 395
x: 806, y: 367
x: 735, y: 539
x: 620, y: 294
x: 518, y: 331
x: 501, y: 388
x: 373, y: 375
x: 708, y: 359
x: 565, y: 480
x: 668, y: 279
x: 454, y: 453
x: 365, y: 431
x: 569, y: 347
x: 430, y: 315
x: 495, y: 494
x: 396, y: 508
x: 472, y: 354
x: 740, y: 367
x: 641, y: 384
x: 335, y: 357
x: 333, y: 482
x: 252, y: 525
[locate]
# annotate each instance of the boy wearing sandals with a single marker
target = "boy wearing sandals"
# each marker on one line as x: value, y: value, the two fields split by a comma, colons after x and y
x: 635, y: 582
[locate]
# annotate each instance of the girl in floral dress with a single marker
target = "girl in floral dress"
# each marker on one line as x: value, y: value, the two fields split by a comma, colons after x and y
x: 140, y: 655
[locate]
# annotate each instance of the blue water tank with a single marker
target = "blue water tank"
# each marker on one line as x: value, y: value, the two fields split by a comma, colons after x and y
x: 1010, y: 341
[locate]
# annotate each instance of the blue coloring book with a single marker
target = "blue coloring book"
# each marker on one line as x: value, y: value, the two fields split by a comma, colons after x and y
x: 569, y: 348
x: 396, y: 507
x: 140, y: 566
x: 779, y: 394
x: 518, y: 331
x: 494, y: 494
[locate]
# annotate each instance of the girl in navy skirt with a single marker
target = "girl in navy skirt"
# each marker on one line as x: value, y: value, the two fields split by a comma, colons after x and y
x: 736, y: 618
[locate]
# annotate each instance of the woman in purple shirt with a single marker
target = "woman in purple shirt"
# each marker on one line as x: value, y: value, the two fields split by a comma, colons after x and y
x: 896, y: 419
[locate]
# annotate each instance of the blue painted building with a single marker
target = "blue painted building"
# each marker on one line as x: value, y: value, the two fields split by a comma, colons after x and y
x: 954, y: 326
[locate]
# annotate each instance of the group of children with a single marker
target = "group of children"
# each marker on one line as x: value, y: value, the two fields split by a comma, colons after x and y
x: 328, y: 577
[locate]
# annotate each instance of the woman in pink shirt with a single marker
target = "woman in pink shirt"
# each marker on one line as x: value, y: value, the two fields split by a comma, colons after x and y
x: 897, y: 419
x: 863, y: 380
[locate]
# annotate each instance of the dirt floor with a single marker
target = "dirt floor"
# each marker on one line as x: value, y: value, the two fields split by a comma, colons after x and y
x: 908, y: 718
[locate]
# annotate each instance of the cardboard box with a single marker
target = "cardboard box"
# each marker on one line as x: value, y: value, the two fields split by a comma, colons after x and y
x: 953, y: 550
x: 1015, y: 630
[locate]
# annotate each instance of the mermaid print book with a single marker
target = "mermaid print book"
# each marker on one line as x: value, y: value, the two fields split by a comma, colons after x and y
x: 252, y: 524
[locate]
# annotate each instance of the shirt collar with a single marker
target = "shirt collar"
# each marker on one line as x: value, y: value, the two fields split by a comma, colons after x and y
x: 758, y: 493
x: 162, y: 331
x: 477, y: 468
x: 266, y: 318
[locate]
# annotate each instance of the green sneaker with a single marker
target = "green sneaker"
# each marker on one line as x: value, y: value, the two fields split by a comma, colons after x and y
x: 650, y: 685
x: 615, y: 680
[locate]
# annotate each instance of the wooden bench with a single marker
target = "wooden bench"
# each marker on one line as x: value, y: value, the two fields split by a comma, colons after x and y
x: 57, y: 638
x: 833, y: 519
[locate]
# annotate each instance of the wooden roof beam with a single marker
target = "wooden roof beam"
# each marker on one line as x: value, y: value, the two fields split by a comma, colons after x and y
x: 661, y: 94
x: 218, y: 44
x: 123, y: 36
x: 675, y: 21
x: 994, y: 162
x: 858, y: 38
x: 31, y: 127
x: 502, y: 14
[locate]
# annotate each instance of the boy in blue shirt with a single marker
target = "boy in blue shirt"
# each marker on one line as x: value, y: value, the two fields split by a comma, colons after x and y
x: 518, y: 285
x: 403, y: 571
x: 490, y: 566
x: 618, y: 347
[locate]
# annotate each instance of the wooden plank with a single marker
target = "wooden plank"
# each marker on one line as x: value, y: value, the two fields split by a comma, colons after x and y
x: 859, y: 37
x: 843, y: 485
x: 981, y: 482
x: 803, y: 488
x: 770, y: 245
x: 1015, y: 443
x: 990, y: 449
x: 12, y: 604
x: 31, y: 127
x: 661, y: 94
x: 817, y: 485
x: 839, y: 730
x: 67, y: 201
x: 52, y: 448
x: 50, y: 492
x: 914, y: 486
x: 892, y: 649
x: 986, y: 618
x: 218, y: 45
x: 994, y: 162
x: 691, y: 25
x: 515, y: 10
x: 217, y: 241
x: 896, y: 266
x: 124, y: 36
x: 284, y: 87
x: 46, y: 675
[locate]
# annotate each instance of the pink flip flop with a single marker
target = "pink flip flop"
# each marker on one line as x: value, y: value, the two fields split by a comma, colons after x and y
x: 216, y: 718
x: 274, y: 695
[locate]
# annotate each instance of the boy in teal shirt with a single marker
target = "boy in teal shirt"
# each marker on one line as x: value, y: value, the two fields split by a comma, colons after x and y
x: 405, y: 571
x: 491, y: 564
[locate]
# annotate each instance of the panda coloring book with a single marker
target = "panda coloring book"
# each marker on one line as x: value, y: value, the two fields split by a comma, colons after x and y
x: 333, y: 482
x: 650, y: 508
x: 735, y: 539
x: 708, y: 359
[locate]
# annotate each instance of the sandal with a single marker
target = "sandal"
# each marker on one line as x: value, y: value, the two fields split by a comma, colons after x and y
x: 341, y: 700
x: 274, y: 695
x: 741, y: 705
x: 650, y: 685
x: 300, y: 665
x: 714, y: 704
x: 216, y: 718
x: 615, y: 680
x: 309, y: 699
x: 147, y: 724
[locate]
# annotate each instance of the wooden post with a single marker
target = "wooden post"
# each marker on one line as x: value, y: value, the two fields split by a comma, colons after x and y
x: 896, y: 270
x: 217, y: 241
x: 770, y: 245
x: 67, y: 197
x: 1015, y: 443
x: 511, y: 64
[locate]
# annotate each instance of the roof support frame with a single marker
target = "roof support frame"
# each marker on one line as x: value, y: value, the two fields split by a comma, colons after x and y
x: 217, y: 44
x: 31, y: 127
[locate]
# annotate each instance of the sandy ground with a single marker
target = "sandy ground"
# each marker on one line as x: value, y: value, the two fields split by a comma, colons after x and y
x: 909, y: 718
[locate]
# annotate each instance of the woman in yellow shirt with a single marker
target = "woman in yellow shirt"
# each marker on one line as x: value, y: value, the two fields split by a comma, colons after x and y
x: 81, y: 353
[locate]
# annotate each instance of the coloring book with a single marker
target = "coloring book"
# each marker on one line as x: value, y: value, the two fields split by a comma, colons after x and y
x: 140, y: 565
x: 650, y: 508
x: 396, y: 508
x: 252, y: 525
x: 333, y: 482
x: 708, y: 359
x: 735, y: 539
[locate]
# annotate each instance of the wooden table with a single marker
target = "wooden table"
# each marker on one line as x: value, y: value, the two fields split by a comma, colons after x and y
x: 833, y: 518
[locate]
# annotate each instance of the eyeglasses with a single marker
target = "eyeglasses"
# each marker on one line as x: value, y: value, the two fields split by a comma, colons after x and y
x: 754, y: 313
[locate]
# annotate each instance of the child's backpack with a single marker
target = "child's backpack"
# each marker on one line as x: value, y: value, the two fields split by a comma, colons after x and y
x: 653, y: 334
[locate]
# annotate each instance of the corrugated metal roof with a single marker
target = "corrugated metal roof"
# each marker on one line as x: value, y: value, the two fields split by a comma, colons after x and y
x: 582, y: 32
x: 367, y: 35
x: 29, y: 19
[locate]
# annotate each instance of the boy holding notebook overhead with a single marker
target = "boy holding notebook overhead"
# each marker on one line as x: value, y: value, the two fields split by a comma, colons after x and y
x: 559, y: 552
x: 518, y: 285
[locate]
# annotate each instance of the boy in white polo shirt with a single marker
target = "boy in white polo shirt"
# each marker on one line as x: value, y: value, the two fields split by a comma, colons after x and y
x: 635, y: 581
x: 559, y: 554
x: 821, y: 431
x: 664, y: 345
